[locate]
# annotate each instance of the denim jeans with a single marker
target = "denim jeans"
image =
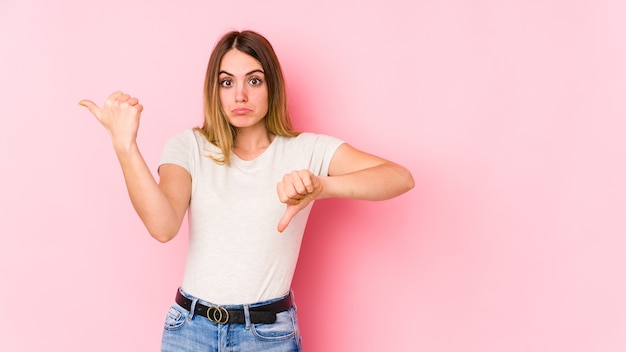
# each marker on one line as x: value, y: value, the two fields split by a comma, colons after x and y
x: 187, y: 332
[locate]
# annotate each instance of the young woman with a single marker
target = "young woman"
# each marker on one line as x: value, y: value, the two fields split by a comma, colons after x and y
x: 247, y: 179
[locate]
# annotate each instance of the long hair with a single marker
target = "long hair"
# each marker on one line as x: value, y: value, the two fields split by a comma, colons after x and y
x: 216, y: 128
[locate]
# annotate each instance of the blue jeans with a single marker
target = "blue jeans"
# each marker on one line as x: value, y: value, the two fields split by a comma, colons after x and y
x: 187, y: 332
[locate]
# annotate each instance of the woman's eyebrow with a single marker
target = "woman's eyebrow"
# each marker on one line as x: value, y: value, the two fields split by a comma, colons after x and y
x: 247, y: 74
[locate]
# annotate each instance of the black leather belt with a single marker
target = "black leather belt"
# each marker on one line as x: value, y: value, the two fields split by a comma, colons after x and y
x: 265, y: 314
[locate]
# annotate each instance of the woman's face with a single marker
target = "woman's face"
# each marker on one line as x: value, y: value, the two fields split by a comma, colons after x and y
x: 243, y: 90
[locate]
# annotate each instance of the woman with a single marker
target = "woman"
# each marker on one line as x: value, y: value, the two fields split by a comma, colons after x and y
x: 247, y: 179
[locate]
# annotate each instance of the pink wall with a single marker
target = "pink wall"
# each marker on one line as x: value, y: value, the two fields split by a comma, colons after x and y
x: 510, y: 116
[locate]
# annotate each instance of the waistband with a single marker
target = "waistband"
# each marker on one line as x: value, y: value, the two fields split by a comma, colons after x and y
x: 259, y: 314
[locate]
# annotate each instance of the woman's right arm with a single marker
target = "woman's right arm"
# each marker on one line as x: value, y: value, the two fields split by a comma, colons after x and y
x: 161, y: 206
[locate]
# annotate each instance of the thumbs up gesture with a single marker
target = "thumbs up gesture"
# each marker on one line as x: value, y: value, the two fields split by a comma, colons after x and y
x: 119, y: 115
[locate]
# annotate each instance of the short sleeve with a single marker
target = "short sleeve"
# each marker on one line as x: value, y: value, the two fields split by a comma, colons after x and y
x: 179, y: 150
x: 324, y: 148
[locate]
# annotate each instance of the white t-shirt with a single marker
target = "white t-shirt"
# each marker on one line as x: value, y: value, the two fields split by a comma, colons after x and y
x: 236, y: 255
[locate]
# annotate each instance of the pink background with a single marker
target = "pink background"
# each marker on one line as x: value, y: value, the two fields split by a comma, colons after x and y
x: 510, y: 115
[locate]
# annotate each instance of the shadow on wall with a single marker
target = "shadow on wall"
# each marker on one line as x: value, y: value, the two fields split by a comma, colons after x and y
x: 343, y: 240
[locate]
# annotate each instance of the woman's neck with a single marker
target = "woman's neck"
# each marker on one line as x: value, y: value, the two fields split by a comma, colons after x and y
x: 251, y: 143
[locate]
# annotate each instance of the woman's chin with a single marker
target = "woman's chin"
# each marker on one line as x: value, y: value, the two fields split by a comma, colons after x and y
x: 245, y: 122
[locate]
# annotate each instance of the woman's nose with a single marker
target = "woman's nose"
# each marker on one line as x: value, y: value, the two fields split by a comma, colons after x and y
x: 241, y: 95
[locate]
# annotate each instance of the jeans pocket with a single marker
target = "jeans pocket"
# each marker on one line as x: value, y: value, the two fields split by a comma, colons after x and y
x: 175, y: 318
x: 284, y: 327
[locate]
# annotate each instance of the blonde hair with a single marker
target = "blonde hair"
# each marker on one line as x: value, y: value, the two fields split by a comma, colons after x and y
x: 216, y: 128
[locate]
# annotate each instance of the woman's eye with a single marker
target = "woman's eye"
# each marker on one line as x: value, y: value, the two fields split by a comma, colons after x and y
x: 255, y: 81
x: 226, y: 83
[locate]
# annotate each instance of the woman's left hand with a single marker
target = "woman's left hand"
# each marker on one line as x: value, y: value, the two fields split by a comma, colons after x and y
x: 297, y: 189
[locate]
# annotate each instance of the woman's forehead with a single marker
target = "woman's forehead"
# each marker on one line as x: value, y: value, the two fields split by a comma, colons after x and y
x: 236, y: 62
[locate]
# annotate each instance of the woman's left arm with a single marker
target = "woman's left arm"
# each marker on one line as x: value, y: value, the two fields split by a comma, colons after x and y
x: 359, y: 175
x: 351, y: 174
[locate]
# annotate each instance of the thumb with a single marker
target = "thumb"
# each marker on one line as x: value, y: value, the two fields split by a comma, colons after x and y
x: 91, y: 106
x: 290, y: 212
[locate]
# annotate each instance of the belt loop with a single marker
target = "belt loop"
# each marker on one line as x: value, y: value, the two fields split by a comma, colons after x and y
x: 293, y: 300
x: 192, y: 309
x: 246, y: 313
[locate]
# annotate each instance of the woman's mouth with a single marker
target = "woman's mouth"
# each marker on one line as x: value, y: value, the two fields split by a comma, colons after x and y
x: 241, y: 111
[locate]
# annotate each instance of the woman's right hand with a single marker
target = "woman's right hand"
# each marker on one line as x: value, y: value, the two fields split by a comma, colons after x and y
x: 119, y: 115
